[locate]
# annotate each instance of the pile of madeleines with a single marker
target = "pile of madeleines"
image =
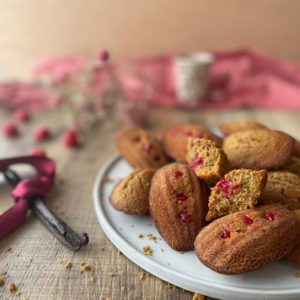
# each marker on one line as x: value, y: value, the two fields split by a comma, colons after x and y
x: 235, y: 200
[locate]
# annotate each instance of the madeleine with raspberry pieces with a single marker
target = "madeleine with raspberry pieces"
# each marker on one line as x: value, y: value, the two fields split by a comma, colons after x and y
x: 175, y: 139
x: 207, y: 159
x: 140, y: 148
x: 239, y: 189
x: 178, y: 205
x: 246, y: 240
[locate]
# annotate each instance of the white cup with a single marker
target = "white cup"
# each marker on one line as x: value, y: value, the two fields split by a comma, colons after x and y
x: 191, y: 76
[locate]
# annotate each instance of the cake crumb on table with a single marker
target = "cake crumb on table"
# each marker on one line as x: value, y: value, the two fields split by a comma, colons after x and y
x: 140, y: 236
x: 147, y: 250
x: 198, y: 297
x: 68, y: 265
x: 85, y: 267
x: 142, y: 275
x: 170, y: 286
x: 110, y: 274
x: 2, y: 281
x: 151, y: 237
x: 91, y: 278
x: 13, y: 289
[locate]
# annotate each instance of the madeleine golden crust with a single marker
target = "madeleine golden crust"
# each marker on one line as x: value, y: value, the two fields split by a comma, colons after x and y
x: 282, y: 187
x: 258, y: 149
x: 140, y: 148
x: 175, y: 139
x: 241, y: 125
x: 131, y: 194
x: 178, y: 205
x: 297, y: 149
x: 246, y: 240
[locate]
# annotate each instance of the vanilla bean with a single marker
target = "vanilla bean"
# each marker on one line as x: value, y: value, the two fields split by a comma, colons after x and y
x: 66, y: 235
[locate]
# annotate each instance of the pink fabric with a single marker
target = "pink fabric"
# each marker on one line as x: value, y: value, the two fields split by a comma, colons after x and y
x: 237, y: 79
x: 25, y: 189
x: 16, y: 95
x: 242, y: 78
x: 58, y: 68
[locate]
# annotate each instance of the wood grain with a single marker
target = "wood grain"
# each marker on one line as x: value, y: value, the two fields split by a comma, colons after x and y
x: 46, y: 277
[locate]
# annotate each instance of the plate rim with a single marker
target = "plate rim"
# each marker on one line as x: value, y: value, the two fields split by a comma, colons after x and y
x: 155, y: 268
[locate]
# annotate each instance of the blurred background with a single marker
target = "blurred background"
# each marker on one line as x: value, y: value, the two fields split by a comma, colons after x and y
x: 32, y: 29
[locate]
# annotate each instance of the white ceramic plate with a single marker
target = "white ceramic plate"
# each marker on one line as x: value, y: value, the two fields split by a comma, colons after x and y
x: 275, y: 281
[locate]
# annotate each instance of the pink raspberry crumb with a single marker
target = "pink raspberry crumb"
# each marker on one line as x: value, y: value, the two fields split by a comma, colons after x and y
x: 270, y: 216
x: 225, y: 234
x: 103, y: 55
x: 186, y: 217
x: 41, y: 134
x: 228, y: 187
x: 196, y: 161
x: 22, y: 115
x: 10, y: 130
x: 247, y: 220
x: 70, y: 139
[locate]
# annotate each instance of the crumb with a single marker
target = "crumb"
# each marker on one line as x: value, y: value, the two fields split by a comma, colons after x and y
x: 122, y: 288
x: 142, y: 275
x: 161, y: 249
x: 9, y: 249
x: 2, y: 281
x: 151, y: 237
x: 198, y: 297
x: 119, y: 252
x: 147, y: 250
x: 110, y: 274
x: 91, y: 278
x: 106, y: 178
x: 170, y: 286
x: 68, y: 265
x: 297, y: 274
x: 29, y: 263
x: 13, y: 289
x: 60, y: 179
x: 3, y: 273
x: 85, y: 267
x: 140, y: 236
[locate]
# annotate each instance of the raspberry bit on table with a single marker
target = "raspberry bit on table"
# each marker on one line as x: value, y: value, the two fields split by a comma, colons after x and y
x: 10, y: 130
x: 22, y: 116
x: 70, y: 139
x: 41, y: 134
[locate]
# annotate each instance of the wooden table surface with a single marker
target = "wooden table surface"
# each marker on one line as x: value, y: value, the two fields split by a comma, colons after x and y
x: 35, y: 261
